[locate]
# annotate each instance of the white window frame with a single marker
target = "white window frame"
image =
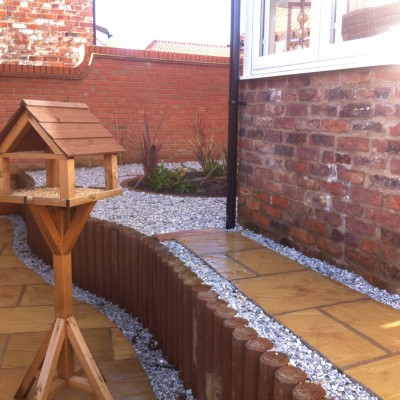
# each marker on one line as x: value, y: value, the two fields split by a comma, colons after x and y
x: 322, y: 55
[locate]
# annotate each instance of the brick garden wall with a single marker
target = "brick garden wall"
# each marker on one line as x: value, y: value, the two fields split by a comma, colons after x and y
x: 320, y: 167
x: 120, y: 85
x: 43, y: 32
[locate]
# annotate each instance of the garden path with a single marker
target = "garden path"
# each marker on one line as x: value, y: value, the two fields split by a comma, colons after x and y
x: 359, y: 335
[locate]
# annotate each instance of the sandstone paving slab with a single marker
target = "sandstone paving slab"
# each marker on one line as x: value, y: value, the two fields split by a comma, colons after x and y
x: 227, y: 267
x: 381, y: 376
x: 6, y: 249
x: 294, y: 291
x: 10, y: 379
x: 19, y: 276
x: 341, y: 345
x: 21, y: 349
x: 5, y: 232
x: 26, y: 319
x: 216, y: 243
x: 99, y: 341
x: 39, y: 295
x: 10, y: 261
x: 3, y: 343
x: 196, y: 232
x: 88, y: 317
x: 126, y: 380
x: 40, y: 318
x: 377, y: 321
x: 122, y: 349
x: 265, y: 261
x: 10, y: 295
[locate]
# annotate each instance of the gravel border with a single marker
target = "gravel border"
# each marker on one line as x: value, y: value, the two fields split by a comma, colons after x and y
x: 153, y: 213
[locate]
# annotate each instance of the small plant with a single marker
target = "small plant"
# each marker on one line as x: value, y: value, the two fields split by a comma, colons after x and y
x: 214, y: 168
x: 211, y: 157
x: 150, y: 147
x: 162, y: 178
x: 223, y: 157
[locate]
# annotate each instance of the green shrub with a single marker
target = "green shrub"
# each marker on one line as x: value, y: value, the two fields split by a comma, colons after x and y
x: 161, y: 178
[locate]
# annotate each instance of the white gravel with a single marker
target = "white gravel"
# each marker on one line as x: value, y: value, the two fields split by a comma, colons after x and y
x: 153, y: 213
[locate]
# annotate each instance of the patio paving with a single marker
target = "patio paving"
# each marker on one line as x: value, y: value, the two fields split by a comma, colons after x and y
x: 357, y: 334
x: 26, y: 315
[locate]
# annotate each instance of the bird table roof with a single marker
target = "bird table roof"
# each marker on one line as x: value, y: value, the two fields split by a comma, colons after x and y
x: 62, y: 129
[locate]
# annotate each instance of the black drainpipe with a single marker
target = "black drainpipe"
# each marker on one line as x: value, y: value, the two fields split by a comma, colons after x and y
x: 94, y: 23
x: 234, y: 72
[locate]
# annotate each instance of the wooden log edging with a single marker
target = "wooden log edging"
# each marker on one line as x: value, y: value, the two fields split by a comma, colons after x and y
x: 216, y: 353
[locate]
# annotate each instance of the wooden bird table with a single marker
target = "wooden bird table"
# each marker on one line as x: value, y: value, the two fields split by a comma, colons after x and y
x: 61, y: 221
x: 57, y: 132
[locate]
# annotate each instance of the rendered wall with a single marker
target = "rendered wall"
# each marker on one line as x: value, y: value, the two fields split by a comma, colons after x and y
x: 41, y: 32
x: 320, y: 167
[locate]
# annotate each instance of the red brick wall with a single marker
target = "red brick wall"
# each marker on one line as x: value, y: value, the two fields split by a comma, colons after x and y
x: 320, y: 167
x: 44, y: 32
x: 120, y: 85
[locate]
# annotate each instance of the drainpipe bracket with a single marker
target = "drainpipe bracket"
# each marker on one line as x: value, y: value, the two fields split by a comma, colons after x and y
x: 240, y: 103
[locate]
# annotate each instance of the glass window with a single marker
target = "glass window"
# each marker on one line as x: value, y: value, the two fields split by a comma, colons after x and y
x: 284, y: 36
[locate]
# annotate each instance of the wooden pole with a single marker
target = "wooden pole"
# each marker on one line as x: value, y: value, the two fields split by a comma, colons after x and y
x: 253, y: 351
x: 286, y: 378
x: 228, y: 326
x: 269, y: 363
x: 240, y: 336
x: 308, y: 391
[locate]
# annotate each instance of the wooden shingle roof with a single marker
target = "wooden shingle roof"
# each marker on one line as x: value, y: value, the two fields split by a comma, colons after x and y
x: 63, y: 129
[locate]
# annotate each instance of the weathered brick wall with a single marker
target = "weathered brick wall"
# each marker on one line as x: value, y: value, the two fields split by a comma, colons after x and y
x: 41, y: 32
x: 320, y: 167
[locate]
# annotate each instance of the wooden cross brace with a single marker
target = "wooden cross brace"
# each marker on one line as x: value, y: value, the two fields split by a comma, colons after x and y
x: 55, y: 359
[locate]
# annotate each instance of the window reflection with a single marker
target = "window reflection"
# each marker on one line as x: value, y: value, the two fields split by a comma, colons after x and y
x: 366, y: 18
x: 289, y: 27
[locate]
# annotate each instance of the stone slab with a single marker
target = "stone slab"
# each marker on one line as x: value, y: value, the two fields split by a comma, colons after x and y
x: 335, y: 341
x: 19, y: 276
x: 215, y: 243
x: 227, y: 267
x: 264, y: 261
x: 10, y: 295
x: 10, y: 261
x: 381, y: 376
x: 377, y: 321
x: 295, y: 291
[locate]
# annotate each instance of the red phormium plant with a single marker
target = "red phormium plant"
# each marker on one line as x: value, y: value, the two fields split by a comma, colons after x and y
x: 150, y: 147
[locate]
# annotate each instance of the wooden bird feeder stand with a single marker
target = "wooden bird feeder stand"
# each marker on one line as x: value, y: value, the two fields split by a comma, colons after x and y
x: 57, y: 132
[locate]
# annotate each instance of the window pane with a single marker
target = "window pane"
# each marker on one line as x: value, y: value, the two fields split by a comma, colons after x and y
x: 289, y: 27
x: 357, y: 19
